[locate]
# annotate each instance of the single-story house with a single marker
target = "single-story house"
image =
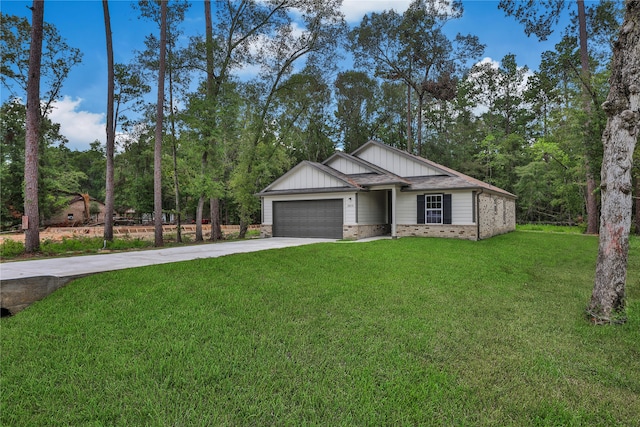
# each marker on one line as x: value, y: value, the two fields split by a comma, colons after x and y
x: 79, y: 209
x: 381, y: 190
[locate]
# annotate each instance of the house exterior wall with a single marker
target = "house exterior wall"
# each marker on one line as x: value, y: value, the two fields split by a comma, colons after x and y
x: 466, y: 232
x: 372, y: 208
x: 355, y: 232
x: 497, y: 215
x: 396, y: 163
x: 266, y: 230
x: 463, y: 225
x: 307, y: 177
x: 367, y: 217
x: 461, y: 207
x: 77, y: 210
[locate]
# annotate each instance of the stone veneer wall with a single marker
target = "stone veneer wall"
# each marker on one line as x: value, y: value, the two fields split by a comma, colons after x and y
x: 266, y: 230
x: 466, y: 232
x: 355, y: 232
x: 497, y: 215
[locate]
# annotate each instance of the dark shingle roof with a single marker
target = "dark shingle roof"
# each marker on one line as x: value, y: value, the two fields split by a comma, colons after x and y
x: 369, y: 179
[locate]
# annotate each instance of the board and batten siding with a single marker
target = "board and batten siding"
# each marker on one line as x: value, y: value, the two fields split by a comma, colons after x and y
x: 308, y: 177
x: 461, y: 207
x: 348, y: 167
x: 372, y: 208
x: 349, y: 210
x: 396, y: 163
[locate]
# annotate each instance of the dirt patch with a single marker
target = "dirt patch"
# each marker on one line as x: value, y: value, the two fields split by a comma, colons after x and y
x: 56, y: 234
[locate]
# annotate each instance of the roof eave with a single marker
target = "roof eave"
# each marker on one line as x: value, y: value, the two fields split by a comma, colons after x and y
x: 311, y: 191
x: 463, y: 188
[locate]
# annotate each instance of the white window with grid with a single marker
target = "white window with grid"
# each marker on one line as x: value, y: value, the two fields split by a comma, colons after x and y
x: 433, y: 208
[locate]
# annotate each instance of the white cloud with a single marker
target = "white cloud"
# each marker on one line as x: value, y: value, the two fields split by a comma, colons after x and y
x: 354, y: 10
x: 81, y: 128
x: 486, y: 60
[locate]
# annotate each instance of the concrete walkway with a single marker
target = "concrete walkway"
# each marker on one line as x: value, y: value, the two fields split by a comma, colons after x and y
x: 88, y: 264
x: 25, y: 282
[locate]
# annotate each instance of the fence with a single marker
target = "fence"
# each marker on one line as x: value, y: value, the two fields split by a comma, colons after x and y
x: 56, y: 233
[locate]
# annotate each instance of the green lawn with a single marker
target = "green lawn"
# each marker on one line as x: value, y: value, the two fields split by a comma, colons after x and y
x: 412, y: 331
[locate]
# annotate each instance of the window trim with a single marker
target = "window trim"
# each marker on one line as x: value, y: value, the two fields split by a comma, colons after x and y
x: 440, y: 209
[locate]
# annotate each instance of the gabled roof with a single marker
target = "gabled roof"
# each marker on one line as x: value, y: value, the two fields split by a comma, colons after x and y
x: 426, y: 182
x: 375, y: 175
x: 368, y: 167
x: 436, y: 177
x: 333, y: 180
x: 413, y: 158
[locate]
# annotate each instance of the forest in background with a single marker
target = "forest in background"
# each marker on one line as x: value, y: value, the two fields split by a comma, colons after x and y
x: 412, y: 87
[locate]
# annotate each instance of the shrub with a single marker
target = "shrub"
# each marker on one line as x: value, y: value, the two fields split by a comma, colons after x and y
x: 10, y: 248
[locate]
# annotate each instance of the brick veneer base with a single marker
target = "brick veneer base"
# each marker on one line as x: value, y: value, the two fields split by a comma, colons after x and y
x: 466, y: 232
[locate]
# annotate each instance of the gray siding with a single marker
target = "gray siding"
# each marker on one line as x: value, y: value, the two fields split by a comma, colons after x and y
x: 372, y: 208
x: 396, y: 163
x: 308, y: 177
x: 461, y: 207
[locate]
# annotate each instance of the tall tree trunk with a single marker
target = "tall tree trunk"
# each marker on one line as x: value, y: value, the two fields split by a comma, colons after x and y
x: 32, y: 137
x: 201, y: 199
x: 209, y: 45
x: 216, y: 229
x: 199, y: 209
x: 174, y: 155
x: 243, y: 229
x: 157, y: 152
x: 419, y: 126
x: 176, y: 189
x: 110, y: 127
x: 214, y: 203
x: 409, y: 142
x: 591, y: 200
x: 637, y: 199
x: 620, y: 137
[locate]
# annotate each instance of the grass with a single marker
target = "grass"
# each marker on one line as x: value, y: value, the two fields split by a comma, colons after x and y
x: 10, y: 249
x: 412, y: 331
x: 547, y: 228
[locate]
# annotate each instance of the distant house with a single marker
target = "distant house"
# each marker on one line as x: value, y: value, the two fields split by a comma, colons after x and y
x: 80, y: 209
x: 381, y: 190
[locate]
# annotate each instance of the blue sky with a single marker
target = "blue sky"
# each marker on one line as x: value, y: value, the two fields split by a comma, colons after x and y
x: 81, y: 110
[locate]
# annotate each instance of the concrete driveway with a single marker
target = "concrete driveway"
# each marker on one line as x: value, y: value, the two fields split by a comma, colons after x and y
x: 88, y: 264
x: 24, y: 282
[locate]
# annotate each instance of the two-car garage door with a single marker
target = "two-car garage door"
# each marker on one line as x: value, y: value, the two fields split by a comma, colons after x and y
x: 308, y: 218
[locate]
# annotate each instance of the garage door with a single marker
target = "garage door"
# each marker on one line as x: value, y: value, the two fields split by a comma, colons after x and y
x: 308, y: 218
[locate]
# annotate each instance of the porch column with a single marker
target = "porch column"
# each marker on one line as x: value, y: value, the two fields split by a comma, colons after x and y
x: 393, y: 213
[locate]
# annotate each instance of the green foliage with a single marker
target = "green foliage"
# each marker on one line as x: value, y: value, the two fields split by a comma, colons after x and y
x: 73, y: 246
x: 58, y: 58
x: 546, y: 228
x: 304, y: 116
x: 332, y: 334
x: 525, y: 133
x: 61, y: 171
x: 358, y: 96
x: 126, y: 244
x: 548, y: 187
x: 11, y: 249
x: 70, y: 245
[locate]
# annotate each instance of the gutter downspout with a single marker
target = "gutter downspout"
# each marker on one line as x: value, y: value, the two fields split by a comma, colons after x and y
x: 478, y: 210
